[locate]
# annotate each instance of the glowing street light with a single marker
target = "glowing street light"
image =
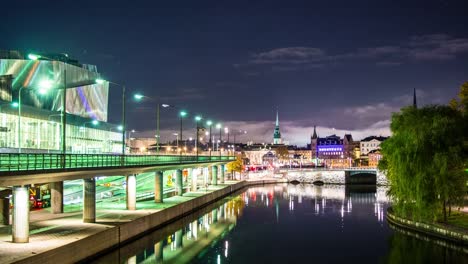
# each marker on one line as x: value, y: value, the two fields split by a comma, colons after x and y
x: 138, y: 96
x: 209, y: 123
x: 218, y: 126
x: 182, y: 114
x: 124, y: 124
x: 33, y: 56
x: 197, y: 121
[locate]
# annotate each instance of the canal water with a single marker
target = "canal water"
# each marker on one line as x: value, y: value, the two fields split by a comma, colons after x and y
x: 289, y: 224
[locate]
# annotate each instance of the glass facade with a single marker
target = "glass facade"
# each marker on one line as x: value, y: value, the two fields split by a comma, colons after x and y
x: 44, y: 135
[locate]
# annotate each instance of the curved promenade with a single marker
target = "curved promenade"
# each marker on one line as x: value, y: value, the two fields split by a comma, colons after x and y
x: 64, y: 238
x: 448, y: 233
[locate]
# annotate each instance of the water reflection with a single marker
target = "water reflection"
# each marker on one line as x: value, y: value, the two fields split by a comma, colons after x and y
x: 281, y: 224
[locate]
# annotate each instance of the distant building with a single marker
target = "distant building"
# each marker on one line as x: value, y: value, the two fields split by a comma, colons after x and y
x: 371, y: 143
x: 331, y: 147
x: 277, y: 134
x: 374, y: 157
x: 332, y: 150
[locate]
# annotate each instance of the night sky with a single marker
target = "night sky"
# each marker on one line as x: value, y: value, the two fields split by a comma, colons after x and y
x: 341, y: 65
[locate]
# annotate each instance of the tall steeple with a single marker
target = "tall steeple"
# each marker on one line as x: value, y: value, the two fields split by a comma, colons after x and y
x: 277, y: 120
x: 415, y: 105
x: 277, y: 133
x: 314, y: 136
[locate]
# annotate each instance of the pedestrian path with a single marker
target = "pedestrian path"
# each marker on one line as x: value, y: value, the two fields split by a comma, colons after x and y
x: 48, y: 231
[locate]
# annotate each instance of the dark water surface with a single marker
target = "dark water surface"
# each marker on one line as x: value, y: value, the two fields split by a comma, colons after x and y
x: 289, y: 224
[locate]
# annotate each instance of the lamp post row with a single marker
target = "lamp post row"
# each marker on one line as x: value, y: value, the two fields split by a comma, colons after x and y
x: 45, y: 86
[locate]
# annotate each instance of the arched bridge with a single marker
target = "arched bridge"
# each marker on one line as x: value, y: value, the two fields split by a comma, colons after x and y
x: 360, y: 175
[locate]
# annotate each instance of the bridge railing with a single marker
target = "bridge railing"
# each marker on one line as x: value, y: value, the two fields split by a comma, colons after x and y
x: 46, y: 161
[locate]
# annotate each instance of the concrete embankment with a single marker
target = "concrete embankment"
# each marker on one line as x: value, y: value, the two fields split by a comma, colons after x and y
x: 117, y: 234
x: 447, y: 233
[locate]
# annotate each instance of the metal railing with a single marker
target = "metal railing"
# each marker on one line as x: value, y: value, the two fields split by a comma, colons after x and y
x: 45, y: 161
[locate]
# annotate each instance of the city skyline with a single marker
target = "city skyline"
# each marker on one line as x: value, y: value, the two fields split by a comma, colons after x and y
x: 344, y: 67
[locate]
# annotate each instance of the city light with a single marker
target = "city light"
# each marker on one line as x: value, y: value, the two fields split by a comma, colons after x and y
x: 218, y: 125
x: 138, y: 96
x: 120, y: 128
x: 183, y: 113
x: 198, y: 118
x: 209, y: 123
x: 100, y: 81
x: 94, y: 122
x: 33, y: 56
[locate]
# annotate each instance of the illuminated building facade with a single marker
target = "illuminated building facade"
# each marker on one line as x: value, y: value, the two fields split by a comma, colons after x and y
x: 332, y: 150
x: 86, y: 101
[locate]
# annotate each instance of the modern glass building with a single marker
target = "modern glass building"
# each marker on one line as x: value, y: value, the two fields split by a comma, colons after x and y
x: 40, y: 130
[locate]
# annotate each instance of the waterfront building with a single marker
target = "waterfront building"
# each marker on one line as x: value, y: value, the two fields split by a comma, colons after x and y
x: 332, y: 150
x: 371, y: 143
x: 374, y: 157
x: 42, y: 81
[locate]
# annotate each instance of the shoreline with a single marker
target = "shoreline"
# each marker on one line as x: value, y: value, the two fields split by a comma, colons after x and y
x: 448, y: 234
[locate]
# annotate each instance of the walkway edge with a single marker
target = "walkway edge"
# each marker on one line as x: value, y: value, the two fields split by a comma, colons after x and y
x: 114, y: 237
x: 427, y: 229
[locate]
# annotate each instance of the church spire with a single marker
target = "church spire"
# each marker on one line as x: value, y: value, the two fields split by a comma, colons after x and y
x: 314, y: 136
x: 277, y: 133
x: 277, y: 120
x: 415, y: 105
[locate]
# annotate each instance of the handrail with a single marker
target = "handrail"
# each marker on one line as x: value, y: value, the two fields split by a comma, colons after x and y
x: 46, y: 161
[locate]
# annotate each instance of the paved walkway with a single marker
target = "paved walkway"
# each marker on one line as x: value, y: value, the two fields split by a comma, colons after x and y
x: 48, y: 231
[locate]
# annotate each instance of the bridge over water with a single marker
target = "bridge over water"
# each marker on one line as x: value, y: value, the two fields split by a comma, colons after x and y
x: 350, y: 175
x: 20, y: 171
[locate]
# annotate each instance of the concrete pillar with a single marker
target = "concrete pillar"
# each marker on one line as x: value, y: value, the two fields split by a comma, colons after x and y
x: 131, y: 192
x: 194, y: 229
x: 214, y: 175
x: 179, y: 183
x: 4, y: 211
x: 194, y: 174
x: 158, y: 252
x: 158, y: 187
x: 20, y: 227
x: 206, y: 179
x: 222, y: 173
x: 178, y: 238
x: 89, y: 200
x: 56, y: 197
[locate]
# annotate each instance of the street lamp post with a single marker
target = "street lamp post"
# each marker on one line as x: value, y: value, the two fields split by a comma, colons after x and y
x: 234, y: 134
x: 158, y: 104
x: 124, y: 124
x: 182, y: 114
x: 209, y: 123
x: 218, y: 126
x: 197, y: 120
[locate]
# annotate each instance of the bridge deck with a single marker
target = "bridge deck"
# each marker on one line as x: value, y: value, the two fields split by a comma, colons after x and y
x: 13, y: 163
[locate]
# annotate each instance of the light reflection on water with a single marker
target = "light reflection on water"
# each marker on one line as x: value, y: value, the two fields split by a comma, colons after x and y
x: 282, y: 224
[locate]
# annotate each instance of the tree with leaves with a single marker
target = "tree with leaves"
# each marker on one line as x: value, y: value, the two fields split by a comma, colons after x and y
x: 424, y: 161
x: 235, y: 166
x: 282, y: 152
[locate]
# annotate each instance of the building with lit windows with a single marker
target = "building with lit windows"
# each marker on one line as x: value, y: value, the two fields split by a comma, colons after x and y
x: 374, y: 157
x: 332, y: 150
x: 371, y: 143
x: 41, y: 81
